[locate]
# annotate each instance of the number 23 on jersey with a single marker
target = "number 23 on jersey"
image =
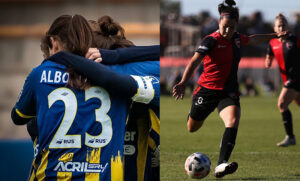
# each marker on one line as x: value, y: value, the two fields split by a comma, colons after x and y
x: 63, y: 140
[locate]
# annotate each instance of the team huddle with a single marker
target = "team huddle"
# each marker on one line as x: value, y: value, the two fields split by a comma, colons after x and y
x: 218, y: 87
x: 76, y: 108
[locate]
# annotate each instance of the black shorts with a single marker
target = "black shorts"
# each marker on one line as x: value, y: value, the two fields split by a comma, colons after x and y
x: 293, y: 84
x: 206, y: 100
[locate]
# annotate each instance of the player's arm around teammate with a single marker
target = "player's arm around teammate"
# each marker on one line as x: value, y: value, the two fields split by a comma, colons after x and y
x: 124, y: 55
x: 286, y: 50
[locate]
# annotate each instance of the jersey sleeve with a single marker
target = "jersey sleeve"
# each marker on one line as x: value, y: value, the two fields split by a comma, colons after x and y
x: 206, y: 45
x: 149, y: 70
x: 146, y: 91
x: 130, y: 54
x: 25, y: 106
x: 269, y: 50
x: 244, y: 39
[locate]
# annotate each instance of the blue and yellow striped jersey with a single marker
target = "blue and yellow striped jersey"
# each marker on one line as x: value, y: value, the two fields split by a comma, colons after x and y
x: 142, y: 144
x: 142, y: 136
x: 80, y: 132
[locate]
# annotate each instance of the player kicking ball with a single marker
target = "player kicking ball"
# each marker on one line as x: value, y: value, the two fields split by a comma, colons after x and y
x: 218, y: 87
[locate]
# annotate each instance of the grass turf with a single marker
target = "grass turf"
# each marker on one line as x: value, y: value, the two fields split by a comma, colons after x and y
x: 256, y: 152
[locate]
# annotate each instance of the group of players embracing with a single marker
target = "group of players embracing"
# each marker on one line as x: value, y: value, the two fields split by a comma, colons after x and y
x: 94, y: 90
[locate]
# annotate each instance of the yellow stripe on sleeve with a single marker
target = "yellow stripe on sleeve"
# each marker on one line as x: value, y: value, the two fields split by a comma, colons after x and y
x: 23, y: 115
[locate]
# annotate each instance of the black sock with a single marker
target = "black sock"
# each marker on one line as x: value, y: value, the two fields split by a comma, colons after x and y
x: 227, y: 144
x: 288, y: 122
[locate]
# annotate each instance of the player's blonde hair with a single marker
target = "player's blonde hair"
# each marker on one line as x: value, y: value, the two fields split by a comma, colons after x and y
x: 280, y: 16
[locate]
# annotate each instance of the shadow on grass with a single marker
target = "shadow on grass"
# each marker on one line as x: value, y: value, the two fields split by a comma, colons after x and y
x: 295, y: 177
x: 248, y: 178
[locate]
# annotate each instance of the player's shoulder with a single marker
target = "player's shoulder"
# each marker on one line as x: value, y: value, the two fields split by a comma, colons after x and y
x: 50, y: 64
x: 213, y: 36
x: 238, y: 34
x: 47, y: 65
x: 145, y: 63
x: 292, y: 37
x: 138, y: 68
x: 48, y: 72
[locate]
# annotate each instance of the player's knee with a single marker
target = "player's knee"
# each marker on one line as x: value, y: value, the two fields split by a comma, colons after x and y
x: 193, y: 125
x: 232, y: 123
x: 282, y: 106
x: 192, y: 128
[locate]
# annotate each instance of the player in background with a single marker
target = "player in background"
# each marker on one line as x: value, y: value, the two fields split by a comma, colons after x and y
x: 286, y: 50
x: 218, y: 87
x: 142, y: 129
x: 80, y: 126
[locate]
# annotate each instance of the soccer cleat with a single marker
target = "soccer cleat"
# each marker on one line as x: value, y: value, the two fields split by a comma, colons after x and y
x: 225, y: 169
x: 287, y: 141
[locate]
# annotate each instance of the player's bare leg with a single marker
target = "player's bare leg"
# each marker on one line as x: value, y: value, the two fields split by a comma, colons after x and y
x: 193, y: 125
x: 286, y: 96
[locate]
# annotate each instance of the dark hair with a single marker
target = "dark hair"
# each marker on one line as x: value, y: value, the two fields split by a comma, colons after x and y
x: 45, y: 47
x: 109, y: 34
x: 76, y: 37
x: 227, y: 9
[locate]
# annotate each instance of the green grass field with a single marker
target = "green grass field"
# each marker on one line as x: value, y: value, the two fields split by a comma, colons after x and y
x: 256, y: 152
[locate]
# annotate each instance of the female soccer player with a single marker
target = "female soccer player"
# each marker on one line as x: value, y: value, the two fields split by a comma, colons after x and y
x: 218, y: 86
x: 286, y: 50
x: 80, y: 127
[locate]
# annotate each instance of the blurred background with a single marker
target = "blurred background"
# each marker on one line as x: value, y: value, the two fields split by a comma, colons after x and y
x: 22, y: 24
x: 184, y: 23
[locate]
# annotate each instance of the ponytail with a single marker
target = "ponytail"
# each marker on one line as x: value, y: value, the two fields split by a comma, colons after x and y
x: 80, y: 35
x: 229, y: 10
x: 109, y: 34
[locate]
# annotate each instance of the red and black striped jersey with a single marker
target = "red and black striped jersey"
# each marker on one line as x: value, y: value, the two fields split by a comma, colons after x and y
x: 221, y: 60
x: 287, y: 54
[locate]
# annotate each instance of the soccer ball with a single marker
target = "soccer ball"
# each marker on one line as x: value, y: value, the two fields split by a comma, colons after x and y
x: 197, y: 165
